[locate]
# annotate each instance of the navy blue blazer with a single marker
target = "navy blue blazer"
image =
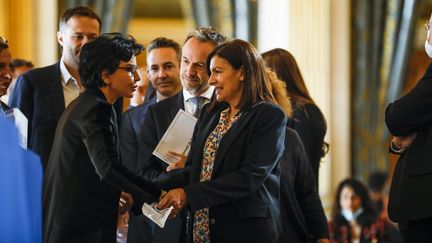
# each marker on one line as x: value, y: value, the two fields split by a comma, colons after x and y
x: 130, y: 129
x: 38, y: 93
x: 243, y: 194
x: 411, y: 192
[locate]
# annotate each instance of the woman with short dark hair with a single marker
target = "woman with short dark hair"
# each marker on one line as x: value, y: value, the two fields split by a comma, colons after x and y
x: 84, y: 177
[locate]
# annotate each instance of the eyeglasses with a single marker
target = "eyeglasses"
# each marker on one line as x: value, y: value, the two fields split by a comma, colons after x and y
x: 427, y: 26
x: 130, y: 69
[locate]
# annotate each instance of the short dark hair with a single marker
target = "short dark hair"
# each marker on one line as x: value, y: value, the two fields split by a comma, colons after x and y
x: 206, y: 34
x: 162, y: 42
x: 105, y: 53
x: 3, y: 43
x: 243, y: 55
x: 80, y: 11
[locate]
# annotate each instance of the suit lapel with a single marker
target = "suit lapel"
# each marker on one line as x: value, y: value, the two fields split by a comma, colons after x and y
x: 176, y: 105
x: 230, y: 136
x: 57, y: 91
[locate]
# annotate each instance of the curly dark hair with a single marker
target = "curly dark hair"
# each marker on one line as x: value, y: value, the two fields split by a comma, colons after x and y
x: 105, y: 53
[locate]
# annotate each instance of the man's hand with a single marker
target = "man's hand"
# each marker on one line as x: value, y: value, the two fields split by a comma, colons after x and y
x: 404, y: 142
x: 180, y: 164
x: 175, y: 198
x: 125, y: 202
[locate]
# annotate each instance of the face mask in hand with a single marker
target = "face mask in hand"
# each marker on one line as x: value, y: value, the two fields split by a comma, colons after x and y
x: 428, y: 47
x: 351, y: 216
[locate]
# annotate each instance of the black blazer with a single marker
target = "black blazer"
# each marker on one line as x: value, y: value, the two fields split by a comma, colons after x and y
x: 303, y: 217
x: 82, y: 183
x: 38, y: 93
x: 243, y: 194
x: 130, y: 129
x: 411, y: 191
x: 309, y: 122
x: 156, y: 121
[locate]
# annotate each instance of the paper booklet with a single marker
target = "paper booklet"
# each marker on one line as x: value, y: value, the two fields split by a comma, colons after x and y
x: 21, y: 123
x: 177, y: 138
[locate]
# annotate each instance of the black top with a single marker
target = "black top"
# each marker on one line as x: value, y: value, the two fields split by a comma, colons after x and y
x: 308, y: 121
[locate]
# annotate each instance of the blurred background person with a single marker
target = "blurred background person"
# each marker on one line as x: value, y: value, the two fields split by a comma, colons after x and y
x: 307, y: 119
x: 233, y: 191
x: 353, y: 217
x: 83, y: 180
x: 5, y: 72
x: 143, y: 84
x: 302, y: 214
x: 19, y: 66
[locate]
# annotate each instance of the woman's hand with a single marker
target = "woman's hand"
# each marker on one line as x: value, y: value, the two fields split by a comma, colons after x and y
x: 180, y: 164
x: 175, y: 198
x: 125, y: 202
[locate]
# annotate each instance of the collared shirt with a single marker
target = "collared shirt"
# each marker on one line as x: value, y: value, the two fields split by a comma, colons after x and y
x: 190, y: 107
x: 71, y: 89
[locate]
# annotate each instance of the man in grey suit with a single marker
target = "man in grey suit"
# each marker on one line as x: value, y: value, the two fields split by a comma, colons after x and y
x: 194, y: 78
x: 42, y: 94
x: 163, y: 70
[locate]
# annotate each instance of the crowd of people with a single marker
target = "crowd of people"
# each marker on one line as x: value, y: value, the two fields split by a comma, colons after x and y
x: 251, y: 173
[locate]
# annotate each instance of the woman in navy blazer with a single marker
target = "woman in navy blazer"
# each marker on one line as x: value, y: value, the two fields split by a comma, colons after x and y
x: 232, y: 195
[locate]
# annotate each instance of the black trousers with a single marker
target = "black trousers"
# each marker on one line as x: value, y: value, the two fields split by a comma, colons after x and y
x: 418, y: 231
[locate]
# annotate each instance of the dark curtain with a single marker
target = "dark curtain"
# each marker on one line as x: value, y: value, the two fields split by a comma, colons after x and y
x: 115, y: 14
x: 233, y: 18
x: 382, y: 39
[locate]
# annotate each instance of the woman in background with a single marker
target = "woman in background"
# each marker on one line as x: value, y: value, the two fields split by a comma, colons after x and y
x: 354, y: 218
x: 307, y: 119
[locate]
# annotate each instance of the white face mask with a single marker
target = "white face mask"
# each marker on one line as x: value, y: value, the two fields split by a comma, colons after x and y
x: 428, y: 47
x: 351, y: 216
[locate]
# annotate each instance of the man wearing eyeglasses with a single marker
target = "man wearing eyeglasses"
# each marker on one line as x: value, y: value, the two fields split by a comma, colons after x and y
x: 5, y: 71
x: 409, y: 119
x: 42, y: 94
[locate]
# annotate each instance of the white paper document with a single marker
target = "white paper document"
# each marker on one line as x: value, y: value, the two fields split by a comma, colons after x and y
x: 21, y: 123
x: 177, y: 138
x: 156, y: 215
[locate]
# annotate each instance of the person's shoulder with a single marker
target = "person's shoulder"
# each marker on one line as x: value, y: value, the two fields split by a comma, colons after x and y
x: 42, y: 74
x: 175, y: 100
x: 269, y: 109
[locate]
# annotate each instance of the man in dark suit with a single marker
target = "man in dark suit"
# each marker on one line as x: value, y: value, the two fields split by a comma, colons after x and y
x: 42, y: 94
x: 194, y: 79
x: 409, y: 119
x: 5, y: 71
x: 163, y: 69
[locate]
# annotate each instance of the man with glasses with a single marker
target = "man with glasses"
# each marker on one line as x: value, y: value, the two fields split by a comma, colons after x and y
x: 42, y: 94
x: 409, y: 119
x: 5, y: 71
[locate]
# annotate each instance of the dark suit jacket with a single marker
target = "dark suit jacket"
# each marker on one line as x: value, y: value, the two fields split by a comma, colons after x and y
x: 310, y: 124
x: 411, y: 192
x: 84, y: 176
x: 303, y: 217
x: 243, y: 194
x: 38, y: 93
x: 130, y: 129
x: 156, y: 121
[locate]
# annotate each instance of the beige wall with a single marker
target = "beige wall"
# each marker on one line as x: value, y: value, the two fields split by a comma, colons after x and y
x: 317, y: 33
